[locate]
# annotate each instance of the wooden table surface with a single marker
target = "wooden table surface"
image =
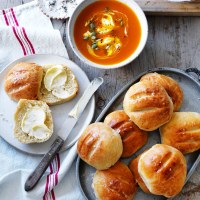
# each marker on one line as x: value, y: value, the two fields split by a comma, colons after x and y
x: 172, y: 42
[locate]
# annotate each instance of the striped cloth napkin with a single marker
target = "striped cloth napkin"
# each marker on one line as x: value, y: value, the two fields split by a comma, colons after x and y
x: 25, y: 30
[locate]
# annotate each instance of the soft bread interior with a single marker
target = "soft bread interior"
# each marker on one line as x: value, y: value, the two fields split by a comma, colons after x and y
x: 71, y: 86
x: 23, y: 106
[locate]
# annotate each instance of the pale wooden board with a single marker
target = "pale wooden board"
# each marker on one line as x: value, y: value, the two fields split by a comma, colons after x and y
x: 172, y: 42
x: 165, y: 7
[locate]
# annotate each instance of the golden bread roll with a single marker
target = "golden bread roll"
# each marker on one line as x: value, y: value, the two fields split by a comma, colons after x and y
x: 163, y: 170
x: 148, y: 105
x: 171, y: 86
x: 59, y: 84
x: 134, y: 169
x: 100, y: 146
x: 132, y: 137
x: 23, y: 81
x: 115, y: 183
x: 33, y: 121
x: 182, y: 132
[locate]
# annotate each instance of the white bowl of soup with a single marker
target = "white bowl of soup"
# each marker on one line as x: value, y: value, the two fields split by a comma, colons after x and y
x: 107, y: 33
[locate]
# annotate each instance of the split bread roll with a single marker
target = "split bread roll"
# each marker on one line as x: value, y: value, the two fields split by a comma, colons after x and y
x: 100, y: 146
x: 59, y: 85
x: 116, y: 182
x: 33, y: 121
x: 162, y: 169
x: 23, y: 81
x: 182, y: 132
x: 53, y: 84
x: 132, y: 137
x: 171, y: 86
x: 148, y: 105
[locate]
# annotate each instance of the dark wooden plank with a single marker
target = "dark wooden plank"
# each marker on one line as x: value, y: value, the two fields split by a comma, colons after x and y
x: 165, y: 7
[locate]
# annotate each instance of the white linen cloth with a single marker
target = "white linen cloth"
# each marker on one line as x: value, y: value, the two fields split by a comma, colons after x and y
x: 25, y: 30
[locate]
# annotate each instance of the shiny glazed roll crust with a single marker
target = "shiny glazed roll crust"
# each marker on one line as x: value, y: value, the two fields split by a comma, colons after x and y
x: 134, y: 169
x: 148, y: 105
x: 100, y: 146
x: 163, y: 170
x: 115, y: 183
x: 171, y: 86
x: 182, y: 132
x: 23, y: 81
x: 132, y: 137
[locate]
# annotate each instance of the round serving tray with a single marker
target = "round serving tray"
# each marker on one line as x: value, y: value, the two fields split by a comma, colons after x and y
x: 191, y: 90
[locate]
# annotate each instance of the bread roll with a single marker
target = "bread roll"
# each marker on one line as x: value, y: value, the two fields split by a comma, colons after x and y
x: 69, y: 88
x: 23, y: 81
x: 148, y: 105
x: 46, y: 128
x: 100, y: 146
x: 132, y: 137
x: 134, y: 169
x: 182, y: 132
x: 171, y: 86
x: 116, y: 183
x: 163, y: 170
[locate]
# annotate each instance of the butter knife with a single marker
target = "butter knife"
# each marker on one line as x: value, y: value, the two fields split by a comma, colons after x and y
x: 74, y: 114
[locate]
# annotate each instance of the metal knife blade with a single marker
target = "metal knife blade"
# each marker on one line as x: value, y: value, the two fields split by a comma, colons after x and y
x: 78, y: 109
x: 58, y: 143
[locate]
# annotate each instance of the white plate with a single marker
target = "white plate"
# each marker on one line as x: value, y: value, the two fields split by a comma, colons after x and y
x: 59, y: 112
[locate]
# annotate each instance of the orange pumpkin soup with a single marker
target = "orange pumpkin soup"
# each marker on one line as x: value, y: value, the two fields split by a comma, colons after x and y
x: 107, y: 32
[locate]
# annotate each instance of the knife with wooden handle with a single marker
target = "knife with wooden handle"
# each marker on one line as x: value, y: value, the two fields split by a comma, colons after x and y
x: 58, y: 143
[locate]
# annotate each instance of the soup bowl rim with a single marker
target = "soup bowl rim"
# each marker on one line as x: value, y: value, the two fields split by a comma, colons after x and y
x: 144, y: 35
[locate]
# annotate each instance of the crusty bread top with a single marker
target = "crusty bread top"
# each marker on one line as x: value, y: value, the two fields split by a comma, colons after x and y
x: 23, y: 81
x: 116, y: 183
x: 71, y: 86
x: 100, y: 146
x: 171, y: 86
x: 23, y: 106
x: 132, y: 137
x: 163, y: 170
x: 148, y: 105
x: 182, y: 132
x: 134, y: 169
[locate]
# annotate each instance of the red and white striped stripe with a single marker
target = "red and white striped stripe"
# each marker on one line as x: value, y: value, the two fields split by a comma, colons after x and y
x: 19, y: 32
x: 52, y: 179
x: 27, y: 49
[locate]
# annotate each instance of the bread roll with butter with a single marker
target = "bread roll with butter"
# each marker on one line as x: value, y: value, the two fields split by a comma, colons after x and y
x: 163, y: 170
x: 23, y: 81
x: 171, y: 86
x: 33, y: 121
x: 182, y: 132
x: 132, y: 137
x: 59, y: 85
x: 148, y: 105
x: 100, y: 146
x: 116, y: 182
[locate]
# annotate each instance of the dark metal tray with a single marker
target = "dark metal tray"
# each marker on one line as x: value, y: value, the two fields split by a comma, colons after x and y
x: 191, y: 89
